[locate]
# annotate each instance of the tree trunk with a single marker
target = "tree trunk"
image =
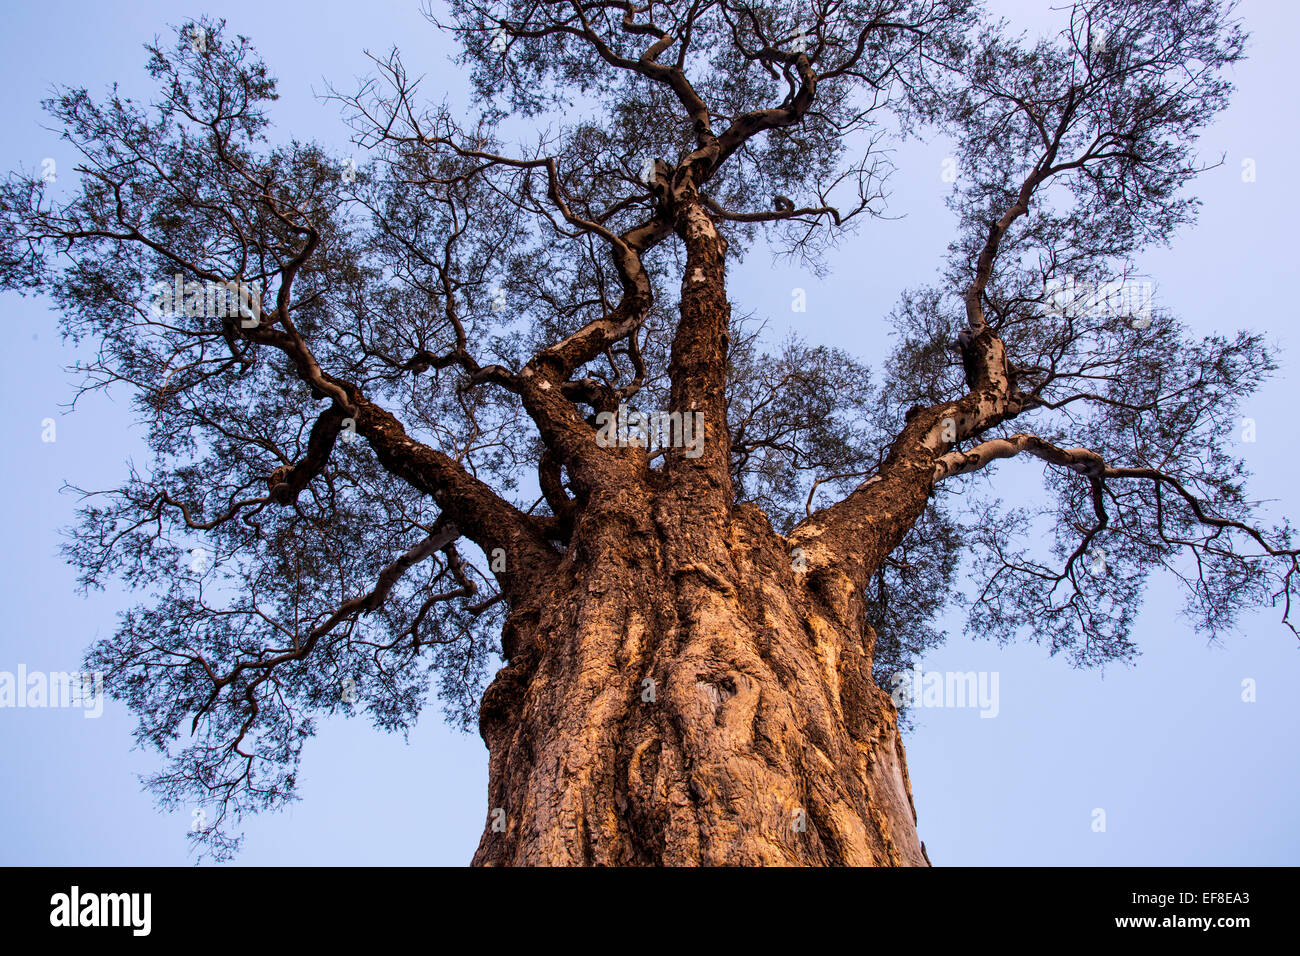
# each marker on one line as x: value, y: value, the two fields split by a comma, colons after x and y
x: 683, y: 695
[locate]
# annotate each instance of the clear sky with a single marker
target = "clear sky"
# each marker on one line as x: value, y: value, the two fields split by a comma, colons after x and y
x: 1185, y: 770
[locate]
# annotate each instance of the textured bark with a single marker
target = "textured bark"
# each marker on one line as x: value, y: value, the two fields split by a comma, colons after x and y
x: 687, y: 688
x: 764, y: 740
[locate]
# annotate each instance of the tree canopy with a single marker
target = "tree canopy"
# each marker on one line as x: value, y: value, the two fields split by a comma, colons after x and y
x: 354, y: 466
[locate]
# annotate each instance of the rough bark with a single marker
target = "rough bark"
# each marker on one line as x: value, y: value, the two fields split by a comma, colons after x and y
x: 684, y: 692
x: 681, y: 700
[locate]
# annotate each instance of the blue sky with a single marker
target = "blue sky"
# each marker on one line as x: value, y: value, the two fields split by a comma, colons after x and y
x: 1186, y: 772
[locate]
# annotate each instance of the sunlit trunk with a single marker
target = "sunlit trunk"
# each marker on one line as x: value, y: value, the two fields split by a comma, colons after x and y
x: 685, y: 699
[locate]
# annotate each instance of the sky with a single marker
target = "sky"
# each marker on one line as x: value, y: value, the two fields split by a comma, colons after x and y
x: 1184, y: 770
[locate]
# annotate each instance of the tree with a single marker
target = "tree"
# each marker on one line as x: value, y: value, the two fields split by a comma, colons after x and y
x: 484, y: 393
